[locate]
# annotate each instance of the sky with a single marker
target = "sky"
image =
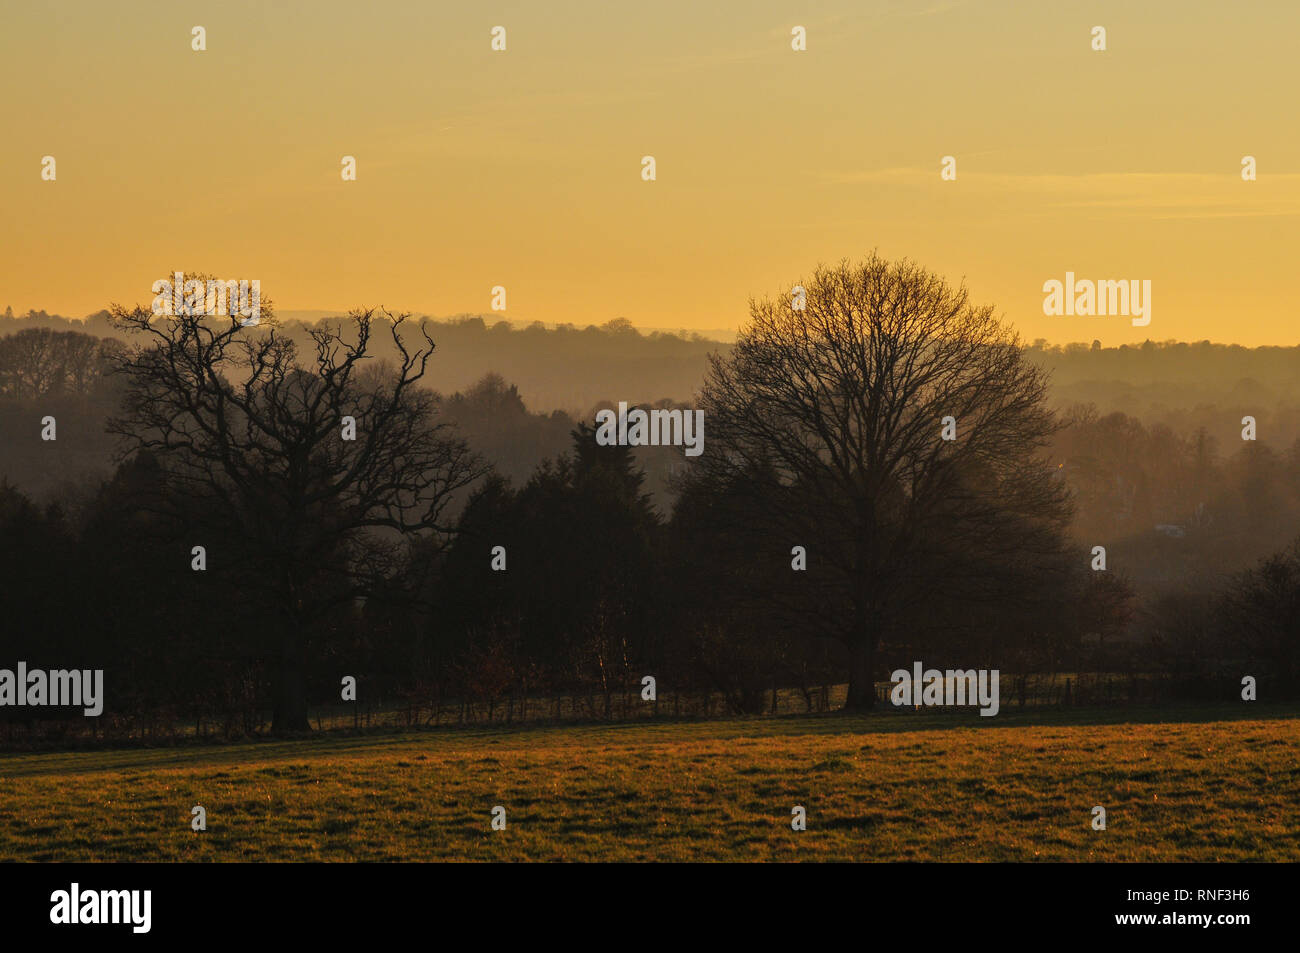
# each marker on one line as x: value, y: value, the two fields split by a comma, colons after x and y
x: 523, y: 168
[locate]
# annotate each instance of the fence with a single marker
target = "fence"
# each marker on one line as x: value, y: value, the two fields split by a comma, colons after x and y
x: 24, y: 729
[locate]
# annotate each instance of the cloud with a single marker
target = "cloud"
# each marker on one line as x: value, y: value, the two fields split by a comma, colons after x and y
x: 1181, y: 195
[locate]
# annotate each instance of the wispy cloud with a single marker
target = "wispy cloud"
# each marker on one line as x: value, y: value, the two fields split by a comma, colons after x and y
x: 1182, y: 195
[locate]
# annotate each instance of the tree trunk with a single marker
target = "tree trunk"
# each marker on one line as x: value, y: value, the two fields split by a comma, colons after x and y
x: 290, y: 713
x: 862, y: 681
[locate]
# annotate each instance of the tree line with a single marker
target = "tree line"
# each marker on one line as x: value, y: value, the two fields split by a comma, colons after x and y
x: 885, y: 479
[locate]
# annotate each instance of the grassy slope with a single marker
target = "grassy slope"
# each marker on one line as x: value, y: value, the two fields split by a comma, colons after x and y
x: 1176, y: 784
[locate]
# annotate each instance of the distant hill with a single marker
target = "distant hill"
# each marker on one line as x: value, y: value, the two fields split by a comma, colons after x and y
x: 573, y: 369
x: 555, y: 368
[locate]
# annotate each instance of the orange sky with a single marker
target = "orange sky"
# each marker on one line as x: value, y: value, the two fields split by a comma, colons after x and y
x: 478, y: 168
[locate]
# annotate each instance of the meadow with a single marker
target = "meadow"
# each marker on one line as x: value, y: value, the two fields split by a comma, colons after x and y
x: 1215, y: 783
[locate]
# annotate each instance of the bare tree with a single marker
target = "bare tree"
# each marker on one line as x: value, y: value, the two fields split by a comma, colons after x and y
x: 37, y: 363
x: 255, y: 445
x: 828, y: 422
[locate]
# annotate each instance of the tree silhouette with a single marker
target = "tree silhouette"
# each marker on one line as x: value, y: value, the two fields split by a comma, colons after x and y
x: 1260, y: 612
x: 831, y: 415
x: 252, y: 444
x: 581, y: 539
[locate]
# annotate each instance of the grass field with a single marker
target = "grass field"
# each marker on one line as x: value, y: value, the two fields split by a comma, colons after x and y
x: 1177, y: 784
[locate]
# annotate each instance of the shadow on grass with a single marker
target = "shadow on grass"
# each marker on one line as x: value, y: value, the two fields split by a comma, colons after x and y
x: 472, y: 740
